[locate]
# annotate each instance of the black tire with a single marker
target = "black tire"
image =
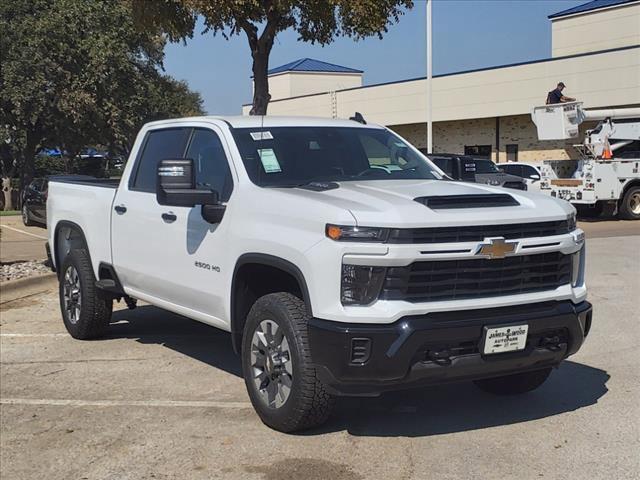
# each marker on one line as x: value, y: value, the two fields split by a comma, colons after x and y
x: 26, y: 220
x: 94, y: 312
x: 514, y: 384
x: 308, y: 403
x: 629, y: 203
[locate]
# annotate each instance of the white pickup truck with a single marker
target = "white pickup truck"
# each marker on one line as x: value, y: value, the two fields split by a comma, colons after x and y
x: 341, y: 260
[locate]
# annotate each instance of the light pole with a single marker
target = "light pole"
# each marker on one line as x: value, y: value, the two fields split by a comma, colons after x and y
x: 429, y: 80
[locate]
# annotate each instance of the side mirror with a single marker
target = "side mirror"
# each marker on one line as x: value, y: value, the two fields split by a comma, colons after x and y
x: 534, y: 177
x: 176, y: 185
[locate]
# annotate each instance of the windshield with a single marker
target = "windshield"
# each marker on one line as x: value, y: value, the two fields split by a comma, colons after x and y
x: 481, y: 166
x: 290, y: 156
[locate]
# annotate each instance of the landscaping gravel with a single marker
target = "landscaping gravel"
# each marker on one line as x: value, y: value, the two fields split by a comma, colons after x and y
x: 15, y: 270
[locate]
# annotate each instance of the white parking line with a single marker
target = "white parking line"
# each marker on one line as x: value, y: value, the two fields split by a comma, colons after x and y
x: 22, y: 231
x: 19, y: 335
x: 123, y: 403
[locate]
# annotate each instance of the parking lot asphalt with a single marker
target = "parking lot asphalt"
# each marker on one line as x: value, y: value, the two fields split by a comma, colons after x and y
x: 18, y: 243
x: 161, y: 397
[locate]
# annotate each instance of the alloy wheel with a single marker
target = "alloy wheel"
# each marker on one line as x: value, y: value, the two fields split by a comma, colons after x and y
x: 271, y: 364
x: 72, y: 294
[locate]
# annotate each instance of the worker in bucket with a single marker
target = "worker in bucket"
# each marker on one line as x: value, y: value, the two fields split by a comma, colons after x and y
x: 556, y: 96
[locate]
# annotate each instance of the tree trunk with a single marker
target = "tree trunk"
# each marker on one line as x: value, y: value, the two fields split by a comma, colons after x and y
x: 261, y: 94
x: 6, y: 192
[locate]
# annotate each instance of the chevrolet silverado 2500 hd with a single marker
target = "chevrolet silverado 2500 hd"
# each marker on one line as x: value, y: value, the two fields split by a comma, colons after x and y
x: 335, y: 254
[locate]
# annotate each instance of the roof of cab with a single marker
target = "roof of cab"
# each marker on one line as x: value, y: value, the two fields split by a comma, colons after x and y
x: 257, y: 121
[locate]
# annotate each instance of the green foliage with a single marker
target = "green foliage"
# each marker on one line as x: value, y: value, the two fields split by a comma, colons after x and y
x: 316, y: 21
x: 77, y: 73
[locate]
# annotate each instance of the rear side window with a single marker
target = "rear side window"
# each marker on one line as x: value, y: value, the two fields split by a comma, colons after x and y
x: 159, y: 145
x: 210, y: 162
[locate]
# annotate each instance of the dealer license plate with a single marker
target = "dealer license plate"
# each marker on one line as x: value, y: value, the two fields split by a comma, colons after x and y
x: 505, y: 339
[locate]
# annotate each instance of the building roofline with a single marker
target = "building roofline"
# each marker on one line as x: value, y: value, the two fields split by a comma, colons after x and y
x: 462, y: 72
x: 575, y: 11
x: 291, y: 67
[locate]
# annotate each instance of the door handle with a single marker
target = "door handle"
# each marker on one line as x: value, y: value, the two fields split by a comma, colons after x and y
x: 169, y: 217
x: 120, y: 209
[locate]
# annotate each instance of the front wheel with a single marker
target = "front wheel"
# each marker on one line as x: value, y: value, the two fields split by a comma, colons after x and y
x: 276, y: 364
x: 630, y: 204
x: 514, y: 384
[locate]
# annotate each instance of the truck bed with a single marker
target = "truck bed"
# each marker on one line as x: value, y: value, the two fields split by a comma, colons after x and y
x: 86, y: 202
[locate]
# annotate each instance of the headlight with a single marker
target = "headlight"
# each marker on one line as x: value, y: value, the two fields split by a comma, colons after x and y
x: 571, y: 222
x: 356, y: 234
x: 361, y: 284
x: 577, y: 268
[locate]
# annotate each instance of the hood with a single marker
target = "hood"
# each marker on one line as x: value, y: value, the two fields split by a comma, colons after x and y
x: 390, y: 203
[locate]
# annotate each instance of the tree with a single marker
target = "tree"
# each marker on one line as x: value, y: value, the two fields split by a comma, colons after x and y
x: 77, y: 73
x: 316, y: 21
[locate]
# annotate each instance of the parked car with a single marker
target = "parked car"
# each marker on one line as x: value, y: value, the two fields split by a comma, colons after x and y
x: 34, y: 202
x: 339, y: 258
x: 477, y: 170
x: 529, y: 172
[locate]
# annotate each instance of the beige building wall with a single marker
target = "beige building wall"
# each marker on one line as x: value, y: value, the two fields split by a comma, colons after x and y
x: 293, y: 84
x: 600, y: 80
x: 453, y: 136
x: 613, y: 27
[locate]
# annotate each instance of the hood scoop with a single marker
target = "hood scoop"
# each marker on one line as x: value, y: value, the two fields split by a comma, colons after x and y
x: 442, y: 202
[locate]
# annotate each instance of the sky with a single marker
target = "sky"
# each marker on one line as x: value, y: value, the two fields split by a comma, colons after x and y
x: 467, y: 34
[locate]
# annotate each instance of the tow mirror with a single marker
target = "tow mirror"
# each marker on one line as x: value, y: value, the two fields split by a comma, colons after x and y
x: 176, y: 185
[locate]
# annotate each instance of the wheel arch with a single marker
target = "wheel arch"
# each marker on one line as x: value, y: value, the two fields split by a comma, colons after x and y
x: 631, y: 183
x: 62, y: 246
x: 286, y: 277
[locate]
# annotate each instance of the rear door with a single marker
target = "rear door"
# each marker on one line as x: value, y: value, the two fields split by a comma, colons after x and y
x: 138, y: 249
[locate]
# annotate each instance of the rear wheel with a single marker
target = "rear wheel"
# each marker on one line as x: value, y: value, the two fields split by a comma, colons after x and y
x: 514, y: 384
x: 630, y: 205
x: 276, y: 364
x: 85, y: 310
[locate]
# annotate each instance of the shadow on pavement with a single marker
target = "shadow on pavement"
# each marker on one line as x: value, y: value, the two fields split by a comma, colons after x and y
x: 412, y: 413
x: 461, y: 407
x: 151, y: 325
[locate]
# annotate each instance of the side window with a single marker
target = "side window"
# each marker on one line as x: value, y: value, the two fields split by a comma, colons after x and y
x: 210, y: 162
x: 159, y: 145
x: 512, y: 169
x: 529, y: 172
x: 444, y: 164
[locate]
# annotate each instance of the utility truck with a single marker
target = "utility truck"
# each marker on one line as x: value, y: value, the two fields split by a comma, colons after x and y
x: 601, y: 177
x: 340, y: 259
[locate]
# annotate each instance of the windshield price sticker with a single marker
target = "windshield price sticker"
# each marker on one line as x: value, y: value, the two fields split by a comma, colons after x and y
x: 269, y: 160
x: 266, y: 135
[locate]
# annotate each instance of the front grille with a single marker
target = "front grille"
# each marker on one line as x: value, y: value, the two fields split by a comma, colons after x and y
x: 478, y: 233
x: 476, y: 278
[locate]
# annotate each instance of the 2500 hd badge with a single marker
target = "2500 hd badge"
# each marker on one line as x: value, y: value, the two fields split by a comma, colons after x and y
x: 207, y: 266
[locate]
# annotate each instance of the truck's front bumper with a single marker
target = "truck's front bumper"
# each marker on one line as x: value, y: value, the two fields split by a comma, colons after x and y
x: 367, y: 359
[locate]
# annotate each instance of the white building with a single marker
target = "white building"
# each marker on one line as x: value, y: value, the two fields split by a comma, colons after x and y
x: 595, y: 52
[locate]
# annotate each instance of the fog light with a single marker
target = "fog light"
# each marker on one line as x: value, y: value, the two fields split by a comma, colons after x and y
x: 361, y: 284
x: 360, y: 350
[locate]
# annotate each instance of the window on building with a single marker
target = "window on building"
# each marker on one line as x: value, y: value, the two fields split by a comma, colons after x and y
x: 482, y: 151
x: 512, y: 152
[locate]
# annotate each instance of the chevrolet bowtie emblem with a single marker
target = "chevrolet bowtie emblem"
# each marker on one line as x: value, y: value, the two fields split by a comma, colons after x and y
x: 496, y: 248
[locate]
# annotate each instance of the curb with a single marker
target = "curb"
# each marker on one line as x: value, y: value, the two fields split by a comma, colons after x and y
x: 10, y: 289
